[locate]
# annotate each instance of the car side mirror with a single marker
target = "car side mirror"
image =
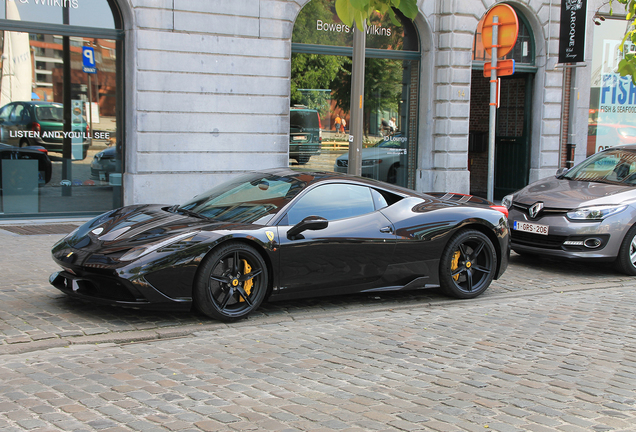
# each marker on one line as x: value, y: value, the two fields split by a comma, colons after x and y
x: 312, y: 223
x: 561, y: 171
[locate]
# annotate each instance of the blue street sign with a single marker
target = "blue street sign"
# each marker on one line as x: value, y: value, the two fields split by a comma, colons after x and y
x: 88, y: 57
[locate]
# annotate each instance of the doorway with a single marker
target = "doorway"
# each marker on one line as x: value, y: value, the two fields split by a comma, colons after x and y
x: 513, y: 118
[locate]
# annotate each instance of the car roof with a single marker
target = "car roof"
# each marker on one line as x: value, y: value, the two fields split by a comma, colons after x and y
x: 314, y: 177
x: 631, y: 147
x: 45, y: 103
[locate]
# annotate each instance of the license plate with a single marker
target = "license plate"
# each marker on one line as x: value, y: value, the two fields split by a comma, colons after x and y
x: 299, y: 138
x: 531, y: 227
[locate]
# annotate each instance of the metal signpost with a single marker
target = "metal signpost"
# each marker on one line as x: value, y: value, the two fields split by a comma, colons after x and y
x: 89, y: 67
x: 499, y: 35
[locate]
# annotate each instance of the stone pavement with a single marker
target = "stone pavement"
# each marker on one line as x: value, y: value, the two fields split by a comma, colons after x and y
x: 34, y: 315
x: 549, y: 347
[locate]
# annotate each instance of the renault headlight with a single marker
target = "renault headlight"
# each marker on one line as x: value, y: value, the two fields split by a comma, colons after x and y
x: 595, y: 213
x: 507, y: 201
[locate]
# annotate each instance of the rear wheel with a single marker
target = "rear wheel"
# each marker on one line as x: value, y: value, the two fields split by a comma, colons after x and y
x: 302, y: 160
x: 626, y: 259
x: 468, y: 264
x: 231, y: 283
x: 391, y: 176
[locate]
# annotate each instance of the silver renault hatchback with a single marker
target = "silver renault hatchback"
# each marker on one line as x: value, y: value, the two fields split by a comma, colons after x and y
x: 587, y: 212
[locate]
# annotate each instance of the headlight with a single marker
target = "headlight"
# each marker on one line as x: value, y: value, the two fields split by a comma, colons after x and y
x: 369, y: 162
x: 507, y: 201
x: 140, y: 251
x: 595, y: 213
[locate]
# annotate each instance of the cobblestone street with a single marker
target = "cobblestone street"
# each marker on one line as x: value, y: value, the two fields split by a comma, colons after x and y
x: 549, y: 347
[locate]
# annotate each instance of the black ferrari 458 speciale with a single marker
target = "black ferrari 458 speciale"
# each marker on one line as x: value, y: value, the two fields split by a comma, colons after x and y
x: 281, y: 234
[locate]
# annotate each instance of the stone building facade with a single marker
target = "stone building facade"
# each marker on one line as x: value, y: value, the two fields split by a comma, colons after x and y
x: 204, y: 92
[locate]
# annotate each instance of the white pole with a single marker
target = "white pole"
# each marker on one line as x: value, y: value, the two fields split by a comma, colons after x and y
x: 493, y: 109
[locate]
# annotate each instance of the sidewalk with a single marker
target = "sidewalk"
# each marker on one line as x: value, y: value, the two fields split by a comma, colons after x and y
x: 34, y: 315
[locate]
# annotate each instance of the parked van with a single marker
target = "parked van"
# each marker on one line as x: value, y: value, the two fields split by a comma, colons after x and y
x: 305, y: 133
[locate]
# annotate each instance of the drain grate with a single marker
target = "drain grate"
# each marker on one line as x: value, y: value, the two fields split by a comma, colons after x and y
x: 39, y: 229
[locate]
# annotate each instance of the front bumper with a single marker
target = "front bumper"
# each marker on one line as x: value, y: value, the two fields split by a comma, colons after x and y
x: 114, y: 291
x: 569, y: 239
x: 304, y: 149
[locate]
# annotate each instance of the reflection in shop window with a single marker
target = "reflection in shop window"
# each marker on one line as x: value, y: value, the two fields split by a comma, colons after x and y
x: 34, y: 175
x: 612, y: 114
x: 87, y: 13
x: 320, y: 87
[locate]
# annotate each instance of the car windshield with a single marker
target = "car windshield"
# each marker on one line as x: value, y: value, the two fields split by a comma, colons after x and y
x: 611, y: 166
x: 249, y: 198
x: 304, y: 119
x: 49, y: 113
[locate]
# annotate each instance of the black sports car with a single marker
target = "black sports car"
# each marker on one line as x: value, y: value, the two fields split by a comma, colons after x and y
x: 281, y: 234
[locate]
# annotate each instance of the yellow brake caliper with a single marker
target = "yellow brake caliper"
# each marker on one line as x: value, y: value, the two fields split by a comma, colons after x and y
x: 454, y: 264
x: 247, y: 286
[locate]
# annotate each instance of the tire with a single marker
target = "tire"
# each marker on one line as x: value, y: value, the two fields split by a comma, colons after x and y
x: 391, y: 176
x: 302, y: 160
x: 626, y: 259
x: 468, y: 264
x: 231, y: 283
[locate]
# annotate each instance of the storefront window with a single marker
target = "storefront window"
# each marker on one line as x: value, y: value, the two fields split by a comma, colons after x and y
x: 59, y: 151
x: 612, y: 115
x: 88, y: 13
x: 321, y: 92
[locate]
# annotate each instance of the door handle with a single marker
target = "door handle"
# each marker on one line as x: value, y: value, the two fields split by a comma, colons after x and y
x: 386, y: 229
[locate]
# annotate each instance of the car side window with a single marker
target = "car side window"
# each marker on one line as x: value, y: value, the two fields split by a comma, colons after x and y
x: 5, y: 112
x: 25, y: 116
x: 332, y: 202
x: 378, y: 199
x: 17, y: 113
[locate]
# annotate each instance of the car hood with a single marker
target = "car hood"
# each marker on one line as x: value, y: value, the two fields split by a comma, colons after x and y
x: 568, y: 194
x: 139, y: 225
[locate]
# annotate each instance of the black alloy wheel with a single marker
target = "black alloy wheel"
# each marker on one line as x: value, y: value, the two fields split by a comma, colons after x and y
x: 231, y: 283
x: 468, y: 264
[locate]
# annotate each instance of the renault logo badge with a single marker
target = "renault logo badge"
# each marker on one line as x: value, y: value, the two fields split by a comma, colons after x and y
x: 535, y: 209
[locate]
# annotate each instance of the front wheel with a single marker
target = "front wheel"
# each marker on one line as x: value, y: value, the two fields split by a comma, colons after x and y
x: 626, y: 259
x: 468, y: 264
x: 231, y: 283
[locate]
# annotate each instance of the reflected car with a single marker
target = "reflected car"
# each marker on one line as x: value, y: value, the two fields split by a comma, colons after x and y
x: 36, y: 153
x: 305, y: 133
x: 282, y: 234
x: 381, y: 161
x: 104, y: 163
x: 602, y: 136
x: 25, y: 124
x: 585, y: 213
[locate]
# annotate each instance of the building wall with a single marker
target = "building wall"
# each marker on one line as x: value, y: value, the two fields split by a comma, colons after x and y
x: 210, y: 93
x: 207, y: 91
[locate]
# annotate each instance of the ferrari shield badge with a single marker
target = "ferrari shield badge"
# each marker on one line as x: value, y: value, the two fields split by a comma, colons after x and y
x: 270, y: 235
